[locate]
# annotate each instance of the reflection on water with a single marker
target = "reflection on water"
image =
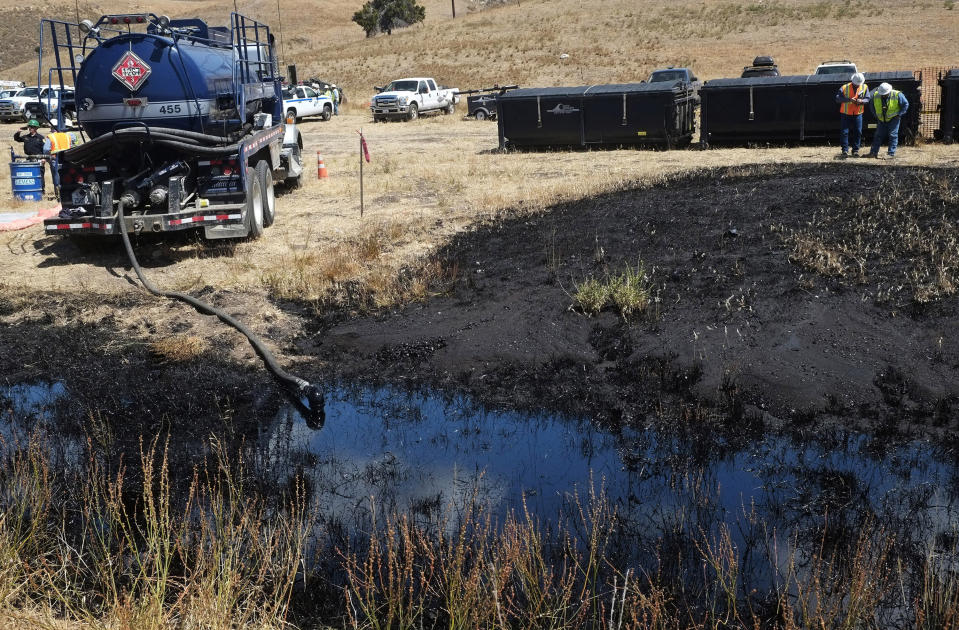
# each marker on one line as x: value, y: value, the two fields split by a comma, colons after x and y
x: 426, y: 455
x: 422, y: 452
x: 31, y: 400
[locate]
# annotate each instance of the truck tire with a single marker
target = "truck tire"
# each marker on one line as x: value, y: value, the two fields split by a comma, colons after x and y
x: 254, y: 205
x: 291, y: 113
x: 481, y: 114
x: 327, y: 113
x: 449, y: 109
x: 265, y: 174
x: 414, y: 112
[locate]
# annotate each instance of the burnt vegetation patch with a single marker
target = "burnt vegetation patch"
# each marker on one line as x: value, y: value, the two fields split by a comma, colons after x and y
x: 764, y: 291
x: 898, y: 240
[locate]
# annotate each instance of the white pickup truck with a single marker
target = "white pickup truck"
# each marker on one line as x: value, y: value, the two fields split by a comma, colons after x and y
x: 406, y: 99
x: 36, y: 102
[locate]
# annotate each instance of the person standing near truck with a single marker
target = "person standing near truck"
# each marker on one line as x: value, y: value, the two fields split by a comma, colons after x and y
x: 852, y: 98
x: 336, y: 100
x: 32, y: 140
x: 889, y: 106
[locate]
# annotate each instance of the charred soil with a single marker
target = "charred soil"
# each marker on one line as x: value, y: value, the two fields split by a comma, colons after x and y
x: 790, y: 296
x: 777, y: 295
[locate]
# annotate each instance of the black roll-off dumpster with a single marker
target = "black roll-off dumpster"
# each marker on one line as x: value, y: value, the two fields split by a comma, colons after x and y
x: 598, y: 115
x: 793, y: 108
x: 949, y: 106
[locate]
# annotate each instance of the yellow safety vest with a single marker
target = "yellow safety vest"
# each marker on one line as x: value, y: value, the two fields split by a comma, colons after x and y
x: 63, y: 140
x: 892, y: 106
x: 851, y: 91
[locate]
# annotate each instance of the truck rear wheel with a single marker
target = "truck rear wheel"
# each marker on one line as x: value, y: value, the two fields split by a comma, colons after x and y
x: 327, y: 113
x: 481, y: 114
x: 449, y: 109
x: 254, y: 205
x: 265, y: 175
x: 414, y: 111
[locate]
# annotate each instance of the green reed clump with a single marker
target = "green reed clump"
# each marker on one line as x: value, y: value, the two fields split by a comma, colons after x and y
x: 628, y: 293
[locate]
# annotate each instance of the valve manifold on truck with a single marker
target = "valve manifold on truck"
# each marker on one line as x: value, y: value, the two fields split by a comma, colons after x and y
x: 182, y: 121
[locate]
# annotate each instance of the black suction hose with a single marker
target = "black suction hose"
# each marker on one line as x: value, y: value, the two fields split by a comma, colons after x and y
x: 300, y: 388
x: 188, y: 141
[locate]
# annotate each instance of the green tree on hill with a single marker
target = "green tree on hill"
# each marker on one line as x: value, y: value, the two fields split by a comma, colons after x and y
x: 385, y: 15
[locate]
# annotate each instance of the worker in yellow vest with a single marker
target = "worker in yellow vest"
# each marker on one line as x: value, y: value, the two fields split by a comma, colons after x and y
x: 888, y: 106
x: 61, y: 141
x: 852, y: 98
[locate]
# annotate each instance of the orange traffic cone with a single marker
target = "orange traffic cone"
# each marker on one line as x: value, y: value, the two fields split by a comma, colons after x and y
x: 320, y: 167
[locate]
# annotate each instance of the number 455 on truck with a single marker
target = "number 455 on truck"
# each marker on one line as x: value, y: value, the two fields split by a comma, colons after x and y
x: 183, y: 124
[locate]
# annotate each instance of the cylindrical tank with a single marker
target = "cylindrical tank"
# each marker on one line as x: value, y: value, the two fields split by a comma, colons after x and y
x: 26, y: 179
x: 149, y: 78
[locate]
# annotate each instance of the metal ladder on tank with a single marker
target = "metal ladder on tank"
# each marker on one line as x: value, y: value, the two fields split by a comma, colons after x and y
x: 63, y: 38
x: 253, y: 78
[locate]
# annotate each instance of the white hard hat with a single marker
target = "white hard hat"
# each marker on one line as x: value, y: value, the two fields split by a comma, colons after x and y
x: 884, y: 89
x: 858, y: 79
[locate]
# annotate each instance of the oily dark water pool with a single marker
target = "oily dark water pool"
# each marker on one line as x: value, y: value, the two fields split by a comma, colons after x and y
x: 424, y: 453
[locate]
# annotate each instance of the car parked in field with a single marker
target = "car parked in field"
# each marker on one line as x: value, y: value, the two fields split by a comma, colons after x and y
x: 41, y: 98
x: 845, y: 68
x: 300, y: 101
x: 11, y: 108
x: 51, y: 101
x: 763, y: 66
x: 406, y: 99
x: 671, y: 73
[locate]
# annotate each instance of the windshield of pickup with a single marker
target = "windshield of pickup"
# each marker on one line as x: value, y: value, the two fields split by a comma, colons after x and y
x: 401, y: 86
x: 667, y: 75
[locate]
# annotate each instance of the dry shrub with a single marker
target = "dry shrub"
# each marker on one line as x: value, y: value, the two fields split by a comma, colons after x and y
x: 179, y: 348
x: 106, y: 554
x: 122, y: 551
x: 814, y: 254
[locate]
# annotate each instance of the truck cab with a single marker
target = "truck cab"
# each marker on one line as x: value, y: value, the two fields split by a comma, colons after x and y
x: 50, y: 101
x: 12, y: 108
x: 302, y: 100
x: 406, y: 99
x: 844, y: 68
x: 668, y: 74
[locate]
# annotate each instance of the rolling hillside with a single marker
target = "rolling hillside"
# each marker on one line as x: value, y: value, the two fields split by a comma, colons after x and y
x: 521, y: 42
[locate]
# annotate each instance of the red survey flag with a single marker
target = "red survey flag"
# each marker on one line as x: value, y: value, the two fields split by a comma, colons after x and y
x: 366, y: 150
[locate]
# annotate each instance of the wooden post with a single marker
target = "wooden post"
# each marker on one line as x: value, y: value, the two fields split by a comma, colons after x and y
x: 453, y: 3
x: 361, y: 172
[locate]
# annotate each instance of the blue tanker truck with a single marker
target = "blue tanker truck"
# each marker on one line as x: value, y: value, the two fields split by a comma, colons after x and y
x: 182, y: 125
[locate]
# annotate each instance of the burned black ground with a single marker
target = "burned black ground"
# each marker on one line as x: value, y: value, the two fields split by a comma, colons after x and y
x: 743, y: 327
x: 746, y: 328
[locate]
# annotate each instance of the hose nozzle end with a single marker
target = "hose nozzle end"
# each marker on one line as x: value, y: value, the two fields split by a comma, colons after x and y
x: 314, y: 405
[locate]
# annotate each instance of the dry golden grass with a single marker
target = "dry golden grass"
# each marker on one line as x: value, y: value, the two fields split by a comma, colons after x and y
x: 606, y: 40
x: 179, y: 348
x: 432, y: 178
x: 427, y: 181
